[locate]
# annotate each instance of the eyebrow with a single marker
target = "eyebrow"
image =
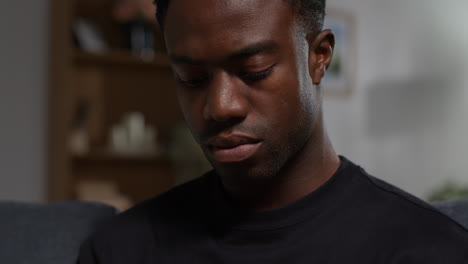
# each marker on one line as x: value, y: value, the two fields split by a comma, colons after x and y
x: 254, y: 49
x: 245, y: 52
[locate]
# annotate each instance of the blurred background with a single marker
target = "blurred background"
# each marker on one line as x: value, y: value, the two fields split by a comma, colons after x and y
x: 88, y: 110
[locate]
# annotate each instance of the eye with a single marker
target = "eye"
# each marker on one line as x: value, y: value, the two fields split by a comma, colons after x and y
x: 256, y: 76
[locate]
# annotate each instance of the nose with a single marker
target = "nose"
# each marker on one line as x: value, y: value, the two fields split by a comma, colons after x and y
x: 226, y: 100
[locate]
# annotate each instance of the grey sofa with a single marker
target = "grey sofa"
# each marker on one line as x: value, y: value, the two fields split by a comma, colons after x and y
x: 456, y: 209
x: 47, y: 234
x: 52, y: 234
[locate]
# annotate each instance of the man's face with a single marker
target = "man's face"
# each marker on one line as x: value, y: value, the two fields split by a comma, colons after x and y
x: 244, y: 83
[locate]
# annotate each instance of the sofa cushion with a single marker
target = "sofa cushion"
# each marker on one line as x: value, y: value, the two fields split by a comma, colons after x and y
x: 456, y: 209
x: 50, y: 233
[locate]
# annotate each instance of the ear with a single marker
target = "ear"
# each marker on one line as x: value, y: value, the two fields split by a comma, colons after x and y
x: 320, y: 54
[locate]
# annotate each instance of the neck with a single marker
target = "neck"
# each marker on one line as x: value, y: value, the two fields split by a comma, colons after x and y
x: 309, y: 169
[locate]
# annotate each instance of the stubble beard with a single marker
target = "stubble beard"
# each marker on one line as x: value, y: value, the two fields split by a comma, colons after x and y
x: 273, y: 166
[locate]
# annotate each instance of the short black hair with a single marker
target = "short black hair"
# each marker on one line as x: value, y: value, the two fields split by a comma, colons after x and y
x: 312, y: 12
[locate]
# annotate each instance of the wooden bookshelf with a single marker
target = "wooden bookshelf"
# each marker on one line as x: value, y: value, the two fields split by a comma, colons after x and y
x: 122, y: 159
x: 119, y: 58
x: 112, y: 82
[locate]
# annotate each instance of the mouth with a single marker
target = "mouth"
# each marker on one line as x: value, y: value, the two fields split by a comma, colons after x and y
x: 233, y: 148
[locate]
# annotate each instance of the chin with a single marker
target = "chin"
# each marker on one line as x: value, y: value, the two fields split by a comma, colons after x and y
x: 248, y: 171
x: 264, y: 166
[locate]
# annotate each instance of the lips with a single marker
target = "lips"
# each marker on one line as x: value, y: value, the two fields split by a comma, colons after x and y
x: 233, y: 148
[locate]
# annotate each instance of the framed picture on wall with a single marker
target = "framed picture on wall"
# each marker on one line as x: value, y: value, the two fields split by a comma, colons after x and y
x: 341, y: 74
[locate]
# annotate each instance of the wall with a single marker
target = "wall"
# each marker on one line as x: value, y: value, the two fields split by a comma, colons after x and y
x: 406, y: 120
x: 23, y: 74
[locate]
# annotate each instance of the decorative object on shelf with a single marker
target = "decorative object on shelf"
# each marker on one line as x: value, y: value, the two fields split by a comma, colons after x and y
x: 138, y: 19
x: 127, y: 10
x: 88, y: 36
x: 340, y: 76
x: 79, y: 139
x: 133, y: 136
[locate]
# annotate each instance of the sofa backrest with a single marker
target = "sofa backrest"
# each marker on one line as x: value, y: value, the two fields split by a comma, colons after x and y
x: 49, y: 233
x: 456, y: 209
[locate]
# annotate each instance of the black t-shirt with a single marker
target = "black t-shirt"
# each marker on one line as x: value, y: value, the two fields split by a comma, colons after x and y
x: 352, y: 218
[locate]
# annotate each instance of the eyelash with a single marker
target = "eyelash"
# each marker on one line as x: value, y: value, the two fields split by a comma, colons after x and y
x: 247, y: 76
x: 257, y: 76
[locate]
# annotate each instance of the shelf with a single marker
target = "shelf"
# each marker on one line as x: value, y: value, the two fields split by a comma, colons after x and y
x: 104, y: 157
x: 110, y: 84
x: 119, y: 58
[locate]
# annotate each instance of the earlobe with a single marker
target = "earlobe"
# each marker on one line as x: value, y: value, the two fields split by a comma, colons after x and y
x: 320, y: 54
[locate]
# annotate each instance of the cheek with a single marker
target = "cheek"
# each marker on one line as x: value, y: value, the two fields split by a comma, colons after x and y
x: 189, y: 105
x: 286, y: 106
x: 281, y: 97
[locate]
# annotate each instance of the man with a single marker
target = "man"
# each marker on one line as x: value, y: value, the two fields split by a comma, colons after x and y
x: 249, y: 74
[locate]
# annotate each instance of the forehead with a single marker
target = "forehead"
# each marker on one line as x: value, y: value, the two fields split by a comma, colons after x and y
x: 219, y: 26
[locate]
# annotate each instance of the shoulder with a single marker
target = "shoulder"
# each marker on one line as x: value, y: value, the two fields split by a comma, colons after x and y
x: 136, y: 225
x: 409, y: 229
x: 404, y: 204
x: 404, y: 217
